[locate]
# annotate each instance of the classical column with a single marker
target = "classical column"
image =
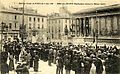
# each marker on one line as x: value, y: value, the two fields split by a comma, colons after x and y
x: 99, y: 26
x: 111, y: 18
x: 92, y: 25
x: 89, y: 26
x: 103, y: 26
x: 82, y: 27
x: 76, y: 23
x: 95, y: 22
x: 115, y: 25
x: 118, y: 24
x: 106, y: 31
x: 86, y: 26
x: 79, y: 26
x: 109, y: 26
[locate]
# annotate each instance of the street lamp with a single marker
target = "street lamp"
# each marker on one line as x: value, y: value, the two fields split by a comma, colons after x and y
x: 23, y: 27
x: 96, y: 32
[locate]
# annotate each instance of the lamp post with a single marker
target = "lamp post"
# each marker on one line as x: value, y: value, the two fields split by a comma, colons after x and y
x: 23, y: 20
x: 96, y: 32
x: 23, y: 27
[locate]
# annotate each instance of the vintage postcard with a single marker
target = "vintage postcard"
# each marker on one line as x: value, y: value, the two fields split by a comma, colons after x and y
x: 59, y: 36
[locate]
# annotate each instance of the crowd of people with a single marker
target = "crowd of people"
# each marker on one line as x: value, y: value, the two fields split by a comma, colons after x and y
x: 78, y: 58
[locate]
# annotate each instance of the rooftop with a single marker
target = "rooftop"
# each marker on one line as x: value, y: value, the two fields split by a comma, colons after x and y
x: 19, y: 11
x: 99, y: 9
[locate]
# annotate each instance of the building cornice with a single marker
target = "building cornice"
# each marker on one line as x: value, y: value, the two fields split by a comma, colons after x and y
x: 20, y: 13
x: 98, y: 15
x: 105, y: 9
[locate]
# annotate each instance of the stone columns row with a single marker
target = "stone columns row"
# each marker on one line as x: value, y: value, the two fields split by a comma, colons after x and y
x: 105, y: 25
x: 82, y: 27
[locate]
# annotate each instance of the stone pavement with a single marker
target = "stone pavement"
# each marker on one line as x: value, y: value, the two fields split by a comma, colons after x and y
x: 43, y: 69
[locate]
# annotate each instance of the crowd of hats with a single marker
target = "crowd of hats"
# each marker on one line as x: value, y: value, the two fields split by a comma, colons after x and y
x: 84, y: 52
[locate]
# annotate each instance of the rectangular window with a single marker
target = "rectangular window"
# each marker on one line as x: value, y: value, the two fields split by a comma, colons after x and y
x: 42, y: 20
x: 52, y: 36
x: 38, y: 19
x: 34, y: 18
x: 10, y: 25
x: 15, y: 25
x: 29, y: 25
x: 59, y: 29
x: 15, y: 17
x: 30, y: 19
x: 38, y: 26
x: 42, y: 26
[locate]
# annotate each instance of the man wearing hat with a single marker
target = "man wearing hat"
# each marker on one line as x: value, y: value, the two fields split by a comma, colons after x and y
x: 87, y: 61
x: 59, y: 63
x: 67, y: 61
x: 112, y: 64
x: 50, y: 56
x: 99, y: 66
x: 36, y: 61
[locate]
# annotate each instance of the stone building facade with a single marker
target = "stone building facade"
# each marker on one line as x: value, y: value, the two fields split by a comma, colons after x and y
x: 59, y: 26
x: 102, y: 21
x: 12, y: 18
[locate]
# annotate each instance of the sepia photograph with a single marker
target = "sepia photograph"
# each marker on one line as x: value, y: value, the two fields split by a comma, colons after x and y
x: 59, y: 37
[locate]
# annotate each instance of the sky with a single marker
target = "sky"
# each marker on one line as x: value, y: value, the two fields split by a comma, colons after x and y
x: 47, y: 9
